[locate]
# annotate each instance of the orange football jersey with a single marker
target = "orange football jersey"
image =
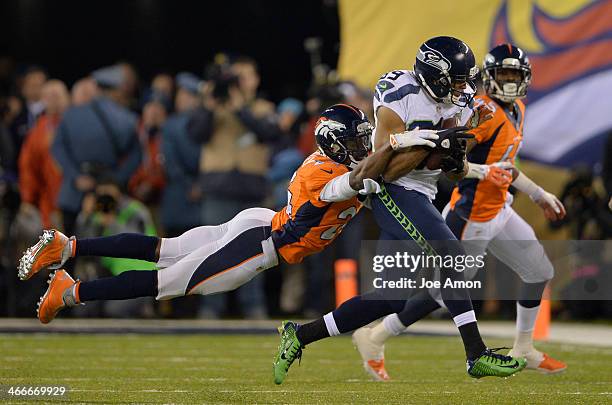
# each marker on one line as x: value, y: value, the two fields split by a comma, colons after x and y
x: 499, y: 139
x: 307, y: 224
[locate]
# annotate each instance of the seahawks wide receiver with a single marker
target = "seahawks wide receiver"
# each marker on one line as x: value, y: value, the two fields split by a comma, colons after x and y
x: 441, y: 87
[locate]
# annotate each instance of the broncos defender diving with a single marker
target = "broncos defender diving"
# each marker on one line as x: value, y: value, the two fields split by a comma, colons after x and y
x: 480, y: 211
x: 323, y: 197
x: 439, y: 89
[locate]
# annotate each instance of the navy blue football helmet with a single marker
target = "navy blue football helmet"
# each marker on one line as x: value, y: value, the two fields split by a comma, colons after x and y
x: 504, y: 58
x: 446, y: 68
x: 344, y: 134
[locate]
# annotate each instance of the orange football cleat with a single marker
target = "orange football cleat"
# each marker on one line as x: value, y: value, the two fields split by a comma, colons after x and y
x: 372, y: 354
x: 550, y: 365
x: 59, y: 295
x: 52, y: 250
x: 376, y: 368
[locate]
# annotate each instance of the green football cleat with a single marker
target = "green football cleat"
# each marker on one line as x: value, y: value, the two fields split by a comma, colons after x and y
x: 490, y: 363
x: 289, y: 349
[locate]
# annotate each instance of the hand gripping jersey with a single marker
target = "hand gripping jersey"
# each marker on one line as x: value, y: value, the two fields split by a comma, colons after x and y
x: 307, y: 225
x: 499, y: 139
x: 400, y: 91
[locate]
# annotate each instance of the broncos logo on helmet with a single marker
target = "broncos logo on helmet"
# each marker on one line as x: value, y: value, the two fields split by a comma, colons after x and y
x: 343, y: 133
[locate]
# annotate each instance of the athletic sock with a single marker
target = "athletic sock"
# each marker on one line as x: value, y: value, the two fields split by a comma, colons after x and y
x: 525, y: 323
x: 527, y: 308
x: 390, y: 326
x: 312, y: 331
x: 415, y: 308
x: 124, y: 245
x: 129, y: 284
x: 468, y: 328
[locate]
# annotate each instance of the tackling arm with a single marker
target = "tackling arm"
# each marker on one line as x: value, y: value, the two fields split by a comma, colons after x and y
x: 361, y: 179
x: 388, y: 123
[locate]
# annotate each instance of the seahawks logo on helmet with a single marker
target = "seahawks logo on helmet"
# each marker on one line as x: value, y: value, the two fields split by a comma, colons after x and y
x: 433, y: 58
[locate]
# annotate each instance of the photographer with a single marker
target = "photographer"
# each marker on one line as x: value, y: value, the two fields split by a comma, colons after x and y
x: 108, y: 211
x: 94, y: 140
x: 235, y: 128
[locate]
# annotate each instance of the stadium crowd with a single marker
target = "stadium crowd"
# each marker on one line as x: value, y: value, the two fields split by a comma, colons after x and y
x: 113, y: 154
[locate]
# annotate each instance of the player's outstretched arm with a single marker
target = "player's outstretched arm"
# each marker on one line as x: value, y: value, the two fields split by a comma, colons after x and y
x: 388, y: 123
x: 553, y: 208
x: 363, y: 178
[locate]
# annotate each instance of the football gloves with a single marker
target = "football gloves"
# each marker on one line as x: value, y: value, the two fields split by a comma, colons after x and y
x: 452, y: 143
x: 415, y: 137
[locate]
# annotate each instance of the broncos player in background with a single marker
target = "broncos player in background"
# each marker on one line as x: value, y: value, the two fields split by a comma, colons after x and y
x: 480, y: 212
x: 440, y: 88
x: 323, y: 197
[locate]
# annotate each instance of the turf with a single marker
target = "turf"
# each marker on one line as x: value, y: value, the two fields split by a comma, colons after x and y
x: 238, y: 369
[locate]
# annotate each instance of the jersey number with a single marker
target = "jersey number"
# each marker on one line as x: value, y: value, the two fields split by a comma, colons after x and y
x: 392, y: 75
x: 331, y: 232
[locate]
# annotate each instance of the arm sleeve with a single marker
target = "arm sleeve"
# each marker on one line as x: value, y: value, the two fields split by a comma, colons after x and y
x: 338, y: 189
x: 318, y: 177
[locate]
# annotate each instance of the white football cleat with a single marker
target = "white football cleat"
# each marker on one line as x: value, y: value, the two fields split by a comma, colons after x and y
x: 372, y: 354
x: 541, y: 362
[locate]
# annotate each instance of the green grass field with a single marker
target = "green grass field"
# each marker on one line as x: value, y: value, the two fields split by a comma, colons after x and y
x: 237, y: 369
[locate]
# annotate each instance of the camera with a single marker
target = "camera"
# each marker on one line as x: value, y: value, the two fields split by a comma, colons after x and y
x: 106, y: 203
x: 222, y: 79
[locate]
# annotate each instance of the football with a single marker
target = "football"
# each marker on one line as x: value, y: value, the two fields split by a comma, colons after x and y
x: 433, y: 160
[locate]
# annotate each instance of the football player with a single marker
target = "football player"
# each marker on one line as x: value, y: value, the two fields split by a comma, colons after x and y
x: 440, y: 88
x: 322, y: 198
x: 480, y: 212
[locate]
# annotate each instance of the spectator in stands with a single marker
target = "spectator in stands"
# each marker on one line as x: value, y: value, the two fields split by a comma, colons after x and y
x: 83, y: 91
x: 163, y: 83
x: 95, y: 140
x: 148, y: 181
x: 39, y: 176
x: 180, y: 207
x: 357, y: 96
x: 319, y: 99
x: 162, y: 90
x: 287, y: 158
x: 128, y: 88
x: 235, y: 128
x: 109, y: 211
x: 28, y: 104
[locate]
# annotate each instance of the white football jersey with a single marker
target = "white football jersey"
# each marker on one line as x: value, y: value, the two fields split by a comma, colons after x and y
x: 400, y: 91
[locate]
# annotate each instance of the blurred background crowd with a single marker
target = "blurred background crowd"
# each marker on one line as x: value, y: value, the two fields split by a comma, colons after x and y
x: 113, y: 149
x: 113, y: 153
